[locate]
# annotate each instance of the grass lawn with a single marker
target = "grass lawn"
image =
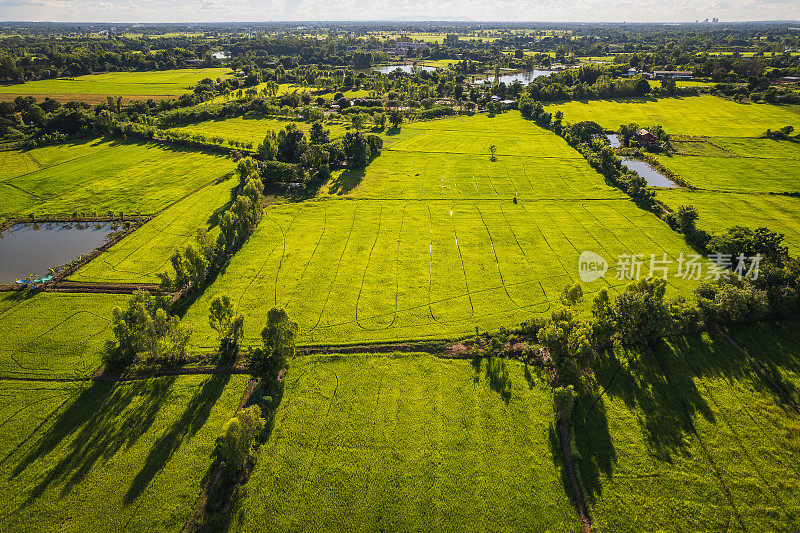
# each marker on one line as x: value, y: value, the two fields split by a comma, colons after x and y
x: 54, y: 335
x: 719, y: 211
x: 250, y: 128
x: 407, y: 443
x: 145, y: 85
x: 101, y: 175
x: 694, y: 115
x: 688, y: 437
x: 430, y: 244
x: 139, y: 256
x: 105, y: 456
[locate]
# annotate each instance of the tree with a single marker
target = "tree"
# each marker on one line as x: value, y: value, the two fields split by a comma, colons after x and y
x: 640, y: 312
x: 380, y: 120
x: 686, y: 217
x: 278, y: 337
x: 567, y: 339
x: 318, y: 134
x: 268, y: 148
x: 357, y: 121
x: 396, y: 118
x: 493, y: 151
x: 227, y: 322
x: 144, y: 327
x: 564, y: 400
x: 239, y: 438
x: 356, y: 150
x: 291, y: 144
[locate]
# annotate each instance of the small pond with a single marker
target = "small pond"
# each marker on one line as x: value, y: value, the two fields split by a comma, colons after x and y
x: 652, y: 176
x: 613, y: 140
x: 405, y: 68
x: 32, y: 248
x: 524, y: 77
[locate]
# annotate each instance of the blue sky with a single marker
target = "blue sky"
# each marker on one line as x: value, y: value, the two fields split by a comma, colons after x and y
x: 506, y: 10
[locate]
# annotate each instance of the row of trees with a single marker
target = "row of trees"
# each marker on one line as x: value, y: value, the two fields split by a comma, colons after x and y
x: 197, y: 261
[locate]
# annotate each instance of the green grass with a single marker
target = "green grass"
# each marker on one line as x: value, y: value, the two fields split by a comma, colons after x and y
x: 696, y: 115
x: 688, y: 437
x: 101, y: 175
x: 138, y: 257
x: 719, y: 211
x: 144, y: 84
x: 407, y: 443
x: 54, y: 335
x: 737, y: 164
x: 429, y: 244
x: 250, y: 128
x: 105, y: 456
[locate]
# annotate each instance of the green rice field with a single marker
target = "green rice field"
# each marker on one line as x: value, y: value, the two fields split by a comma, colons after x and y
x: 164, y: 83
x: 54, y: 335
x: 407, y: 443
x: 101, y: 176
x: 692, y: 115
x: 689, y: 434
x: 109, y: 456
x: 428, y: 242
x: 140, y: 256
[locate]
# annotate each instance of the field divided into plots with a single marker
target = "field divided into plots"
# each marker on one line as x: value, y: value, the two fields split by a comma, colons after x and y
x: 692, y: 115
x: 740, y: 179
x: 102, y: 176
x: 407, y: 443
x: 140, y: 256
x: 689, y: 434
x: 414, y: 251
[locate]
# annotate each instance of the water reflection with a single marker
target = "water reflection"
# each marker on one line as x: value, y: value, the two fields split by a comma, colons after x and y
x: 653, y: 177
x: 33, y: 247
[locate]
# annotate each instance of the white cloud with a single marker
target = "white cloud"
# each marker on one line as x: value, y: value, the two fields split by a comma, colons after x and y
x: 510, y: 10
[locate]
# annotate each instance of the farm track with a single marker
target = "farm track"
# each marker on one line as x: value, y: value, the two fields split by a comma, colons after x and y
x: 369, y: 259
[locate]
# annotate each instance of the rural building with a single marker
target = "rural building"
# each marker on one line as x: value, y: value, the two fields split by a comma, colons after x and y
x: 673, y: 74
x: 632, y: 71
x: 645, y: 138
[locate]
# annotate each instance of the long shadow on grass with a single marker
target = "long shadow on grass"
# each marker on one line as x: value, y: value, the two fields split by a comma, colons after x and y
x: 194, y: 416
x: 103, y: 418
x: 346, y: 181
x: 220, y: 506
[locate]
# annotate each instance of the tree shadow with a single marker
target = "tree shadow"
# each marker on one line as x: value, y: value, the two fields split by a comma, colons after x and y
x: 221, y: 504
x: 98, y: 423
x: 346, y: 181
x: 194, y: 416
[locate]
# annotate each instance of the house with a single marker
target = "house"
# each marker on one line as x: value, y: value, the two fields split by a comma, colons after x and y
x: 790, y: 79
x: 673, y: 74
x: 632, y: 72
x: 508, y: 104
x: 646, y: 138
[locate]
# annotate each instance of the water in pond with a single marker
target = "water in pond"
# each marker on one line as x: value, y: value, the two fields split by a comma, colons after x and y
x: 524, y: 77
x: 405, y: 68
x: 32, y: 248
x: 653, y: 177
x: 613, y: 140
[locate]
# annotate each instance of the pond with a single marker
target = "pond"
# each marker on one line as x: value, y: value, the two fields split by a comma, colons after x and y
x: 32, y: 248
x: 653, y: 177
x: 524, y: 77
x: 613, y: 140
x: 408, y: 68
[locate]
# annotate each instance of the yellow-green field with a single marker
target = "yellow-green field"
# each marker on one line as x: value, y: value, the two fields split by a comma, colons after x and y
x: 132, y: 84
